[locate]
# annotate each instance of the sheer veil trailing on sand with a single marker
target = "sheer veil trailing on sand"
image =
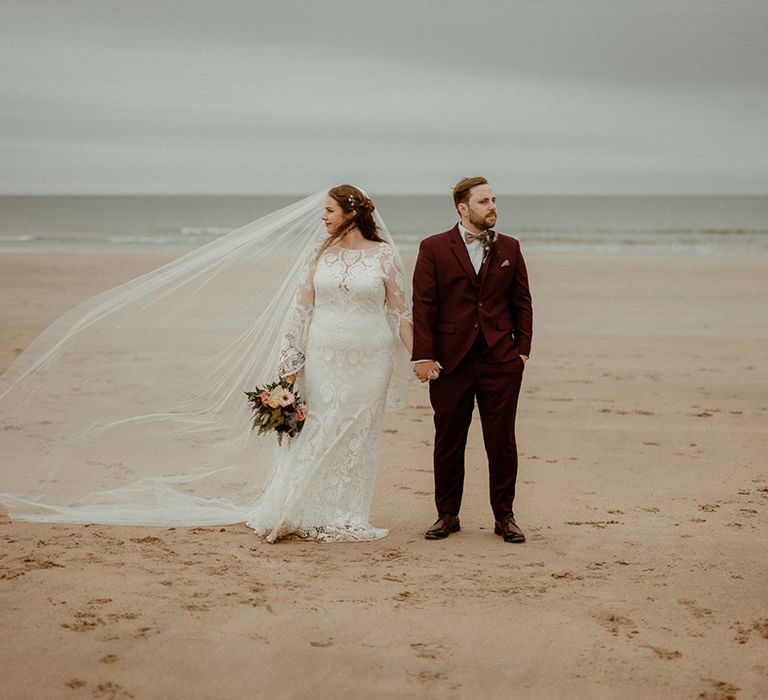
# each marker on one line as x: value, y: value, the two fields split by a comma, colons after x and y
x: 129, y: 409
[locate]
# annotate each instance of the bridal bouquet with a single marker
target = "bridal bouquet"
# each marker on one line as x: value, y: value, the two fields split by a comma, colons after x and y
x: 277, y: 407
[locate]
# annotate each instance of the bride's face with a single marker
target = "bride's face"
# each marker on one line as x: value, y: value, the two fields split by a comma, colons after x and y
x: 334, y: 216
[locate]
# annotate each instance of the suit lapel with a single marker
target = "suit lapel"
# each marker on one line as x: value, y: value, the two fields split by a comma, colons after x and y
x: 461, y: 253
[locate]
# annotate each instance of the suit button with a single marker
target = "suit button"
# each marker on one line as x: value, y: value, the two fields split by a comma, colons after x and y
x: 480, y: 303
x: 476, y: 325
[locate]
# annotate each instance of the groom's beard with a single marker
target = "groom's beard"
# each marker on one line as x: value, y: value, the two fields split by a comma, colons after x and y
x: 482, y: 223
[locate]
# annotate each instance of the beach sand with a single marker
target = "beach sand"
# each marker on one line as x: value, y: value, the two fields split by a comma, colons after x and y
x: 643, y: 489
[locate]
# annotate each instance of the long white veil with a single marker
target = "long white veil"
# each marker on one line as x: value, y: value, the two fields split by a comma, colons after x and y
x: 129, y: 409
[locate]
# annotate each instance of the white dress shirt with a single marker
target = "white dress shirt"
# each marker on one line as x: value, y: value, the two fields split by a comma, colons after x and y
x: 475, y: 249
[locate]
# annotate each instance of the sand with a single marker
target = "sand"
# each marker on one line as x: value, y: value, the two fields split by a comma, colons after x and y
x: 643, y: 490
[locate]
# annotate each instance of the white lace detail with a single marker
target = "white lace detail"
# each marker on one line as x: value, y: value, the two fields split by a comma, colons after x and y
x: 343, y: 324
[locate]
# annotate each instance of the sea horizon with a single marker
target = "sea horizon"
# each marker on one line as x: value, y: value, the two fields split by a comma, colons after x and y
x: 614, y: 223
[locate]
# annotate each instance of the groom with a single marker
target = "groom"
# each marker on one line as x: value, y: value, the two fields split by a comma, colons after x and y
x: 473, y: 323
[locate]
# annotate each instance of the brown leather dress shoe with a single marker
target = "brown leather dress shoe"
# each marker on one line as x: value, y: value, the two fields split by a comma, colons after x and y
x: 445, y: 525
x: 508, y: 529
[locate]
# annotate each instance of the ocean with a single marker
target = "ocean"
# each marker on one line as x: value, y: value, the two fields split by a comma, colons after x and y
x: 545, y: 224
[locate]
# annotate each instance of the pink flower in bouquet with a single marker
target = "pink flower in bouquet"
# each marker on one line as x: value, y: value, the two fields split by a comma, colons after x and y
x: 301, y: 412
x: 264, y: 397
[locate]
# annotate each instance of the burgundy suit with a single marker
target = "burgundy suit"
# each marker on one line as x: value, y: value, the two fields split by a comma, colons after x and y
x: 476, y: 326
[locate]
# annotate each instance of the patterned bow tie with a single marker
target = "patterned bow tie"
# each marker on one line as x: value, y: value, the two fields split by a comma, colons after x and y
x: 484, y: 237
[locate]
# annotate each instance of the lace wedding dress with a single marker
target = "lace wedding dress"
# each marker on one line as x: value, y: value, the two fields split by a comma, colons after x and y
x: 341, y: 328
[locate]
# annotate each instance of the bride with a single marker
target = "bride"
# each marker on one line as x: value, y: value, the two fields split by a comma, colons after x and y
x: 130, y: 408
x: 352, y: 285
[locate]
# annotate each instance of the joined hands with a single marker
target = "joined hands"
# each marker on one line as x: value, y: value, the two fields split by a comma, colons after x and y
x: 427, y: 371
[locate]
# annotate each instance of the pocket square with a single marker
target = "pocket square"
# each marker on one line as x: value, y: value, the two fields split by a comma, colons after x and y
x: 505, y: 263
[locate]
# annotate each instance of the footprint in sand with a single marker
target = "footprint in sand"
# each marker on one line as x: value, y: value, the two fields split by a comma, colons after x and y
x: 111, y: 691
x: 744, y: 632
x: 666, y: 654
x: 322, y: 644
x: 594, y: 523
x: 719, y: 690
x: 114, y: 617
x: 84, y: 622
x: 403, y: 597
x: 697, y: 610
x: 145, y: 632
x: 566, y: 575
x: 428, y: 650
x: 28, y: 564
x: 390, y: 554
x: 427, y: 676
x: 195, y: 607
x: 618, y: 624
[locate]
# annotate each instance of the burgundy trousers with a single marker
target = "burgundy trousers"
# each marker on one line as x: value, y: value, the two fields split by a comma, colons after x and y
x: 496, y: 386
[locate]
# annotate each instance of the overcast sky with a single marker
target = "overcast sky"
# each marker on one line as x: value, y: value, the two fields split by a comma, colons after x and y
x: 400, y: 96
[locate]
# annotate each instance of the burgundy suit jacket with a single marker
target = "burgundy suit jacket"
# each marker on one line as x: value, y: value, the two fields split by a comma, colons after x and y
x: 452, y: 304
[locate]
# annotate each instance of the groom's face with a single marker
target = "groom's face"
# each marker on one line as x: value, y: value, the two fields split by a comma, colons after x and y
x: 481, y: 207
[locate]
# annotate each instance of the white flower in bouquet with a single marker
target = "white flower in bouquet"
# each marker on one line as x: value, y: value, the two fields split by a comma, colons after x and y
x: 280, y: 396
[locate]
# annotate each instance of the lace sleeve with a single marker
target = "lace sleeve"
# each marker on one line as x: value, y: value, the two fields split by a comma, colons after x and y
x: 294, y: 334
x: 396, y: 297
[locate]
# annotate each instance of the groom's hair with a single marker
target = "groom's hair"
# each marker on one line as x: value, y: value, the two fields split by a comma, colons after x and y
x: 462, y: 189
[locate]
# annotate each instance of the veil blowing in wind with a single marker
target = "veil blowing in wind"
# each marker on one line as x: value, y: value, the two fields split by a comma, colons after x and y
x: 136, y: 396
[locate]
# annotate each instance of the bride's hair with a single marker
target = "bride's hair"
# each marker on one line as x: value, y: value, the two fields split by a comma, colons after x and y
x: 351, y: 199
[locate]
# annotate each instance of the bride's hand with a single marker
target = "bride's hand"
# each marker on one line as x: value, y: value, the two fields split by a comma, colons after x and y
x: 290, y: 378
